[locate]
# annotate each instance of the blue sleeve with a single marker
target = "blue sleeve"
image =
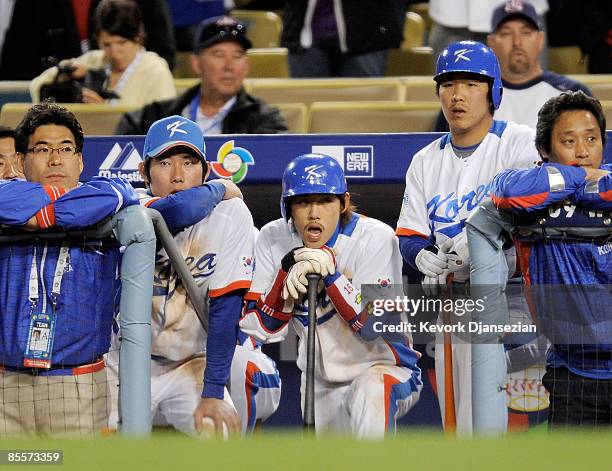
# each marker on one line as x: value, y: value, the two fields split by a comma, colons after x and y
x: 527, y: 190
x: 93, y: 201
x: 224, y: 314
x: 596, y: 195
x: 410, y: 246
x: 187, y: 207
x: 20, y: 200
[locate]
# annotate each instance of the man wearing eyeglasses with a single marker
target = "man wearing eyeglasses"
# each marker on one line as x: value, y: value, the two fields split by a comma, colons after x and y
x: 219, y: 104
x: 63, y: 290
x: 8, y: 155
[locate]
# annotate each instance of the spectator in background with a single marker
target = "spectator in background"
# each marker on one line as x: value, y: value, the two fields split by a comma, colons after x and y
x: 341, y: 38
x: 517, y: 41
x: 135, y: 76
x: 219, y: 104
x: 457, y: 20
x: 8, y: 155
x: 61, y: 29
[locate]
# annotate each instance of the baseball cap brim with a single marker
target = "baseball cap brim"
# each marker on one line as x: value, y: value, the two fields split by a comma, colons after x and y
x: 164, y: 148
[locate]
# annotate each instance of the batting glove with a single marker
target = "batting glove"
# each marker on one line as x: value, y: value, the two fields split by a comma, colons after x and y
x: 295, y: 282
x: 323, y: 260
x: 431, y: 261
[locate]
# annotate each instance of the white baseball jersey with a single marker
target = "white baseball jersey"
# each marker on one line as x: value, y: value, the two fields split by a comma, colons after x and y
x: 218, y: 250
x: 442, y: 189
x: 367, y: 252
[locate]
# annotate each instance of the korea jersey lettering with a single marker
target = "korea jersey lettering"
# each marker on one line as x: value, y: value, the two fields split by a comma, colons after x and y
x: 218, y: 250
x: 366, y: 253
x: 87, y: 301
x: 576, y: 311
x: 442, y: 189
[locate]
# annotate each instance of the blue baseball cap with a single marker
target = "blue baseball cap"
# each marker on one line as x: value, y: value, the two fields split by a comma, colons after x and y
x: 174, y: 131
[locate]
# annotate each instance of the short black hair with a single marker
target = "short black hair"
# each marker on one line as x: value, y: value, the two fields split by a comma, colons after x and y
x: 556, y: 106
x: 46, y: 113
x: 482, y: 78
x: 119, y: 18
x: 6, y: 131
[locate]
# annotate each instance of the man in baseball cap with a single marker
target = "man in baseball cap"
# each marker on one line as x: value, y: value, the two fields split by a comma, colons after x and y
x: 219, y: 104
x: 518, y: 42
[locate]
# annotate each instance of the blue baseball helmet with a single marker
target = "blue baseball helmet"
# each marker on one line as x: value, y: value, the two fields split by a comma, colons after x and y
x: 312, y: 174
x: 475, y: 58
x: 174, y: 131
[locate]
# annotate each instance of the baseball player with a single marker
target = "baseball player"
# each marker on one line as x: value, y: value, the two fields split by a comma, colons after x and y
x: 361, y: 385
x: 447, y: 179
x: 217, y: 245
x: 569, y: 196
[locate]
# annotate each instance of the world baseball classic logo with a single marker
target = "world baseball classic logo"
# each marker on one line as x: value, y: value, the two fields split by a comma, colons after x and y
x: 232, y: 162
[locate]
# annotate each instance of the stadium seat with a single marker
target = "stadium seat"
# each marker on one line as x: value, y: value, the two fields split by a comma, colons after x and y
x: 15, y: 92
x: 183, y: 84
x: 308, y: 91
x: 96, y: 120
x: 372, y: 117
x: 415, y: 61
x: 419, y: 88
x: 607, y: 109
x: 600, y: 84
x: 268, y: 62
x: 422, y: 8
x: 414, y: 31
x: 602, y: 91
x: 264, y: 27
x: 296, y: 116
x: 567, y: 60
x: 182, y: 68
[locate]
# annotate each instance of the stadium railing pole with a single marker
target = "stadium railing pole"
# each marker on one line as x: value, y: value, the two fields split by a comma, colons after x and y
x: 178, y: 263
x: 134, y: 230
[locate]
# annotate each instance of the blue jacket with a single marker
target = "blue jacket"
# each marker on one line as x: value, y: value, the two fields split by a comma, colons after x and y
x: 87, y: 301
x: 570, y: 276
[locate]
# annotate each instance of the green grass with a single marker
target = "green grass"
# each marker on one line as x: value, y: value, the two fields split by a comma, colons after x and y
x: 416, y: 450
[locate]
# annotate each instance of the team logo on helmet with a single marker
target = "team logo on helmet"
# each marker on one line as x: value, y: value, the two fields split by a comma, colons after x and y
x: 174, y: 127
x: 232, y: 162
x: 311, y: 172
x: 462, y: 54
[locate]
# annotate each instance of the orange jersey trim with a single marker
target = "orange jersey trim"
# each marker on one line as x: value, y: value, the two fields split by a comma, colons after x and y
x: 401, y: 231
x: 520, y: 201
x: 240, y: 284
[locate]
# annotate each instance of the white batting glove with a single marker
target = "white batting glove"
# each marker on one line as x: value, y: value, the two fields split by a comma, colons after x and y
x: 323, y: 260
x: 296, y: 282
x: 431, y: 261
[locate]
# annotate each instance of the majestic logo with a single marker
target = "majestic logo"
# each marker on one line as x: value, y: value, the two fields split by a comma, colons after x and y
x: 121, y: 163
x: 232, y: 162
x: 174, y: 127
x: 311, y: 172
x: 356, y: 161
x: 462, y: 54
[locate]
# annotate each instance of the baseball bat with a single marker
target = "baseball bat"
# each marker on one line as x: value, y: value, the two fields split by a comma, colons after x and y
x: 450, y: 415
x: 309, y: 400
